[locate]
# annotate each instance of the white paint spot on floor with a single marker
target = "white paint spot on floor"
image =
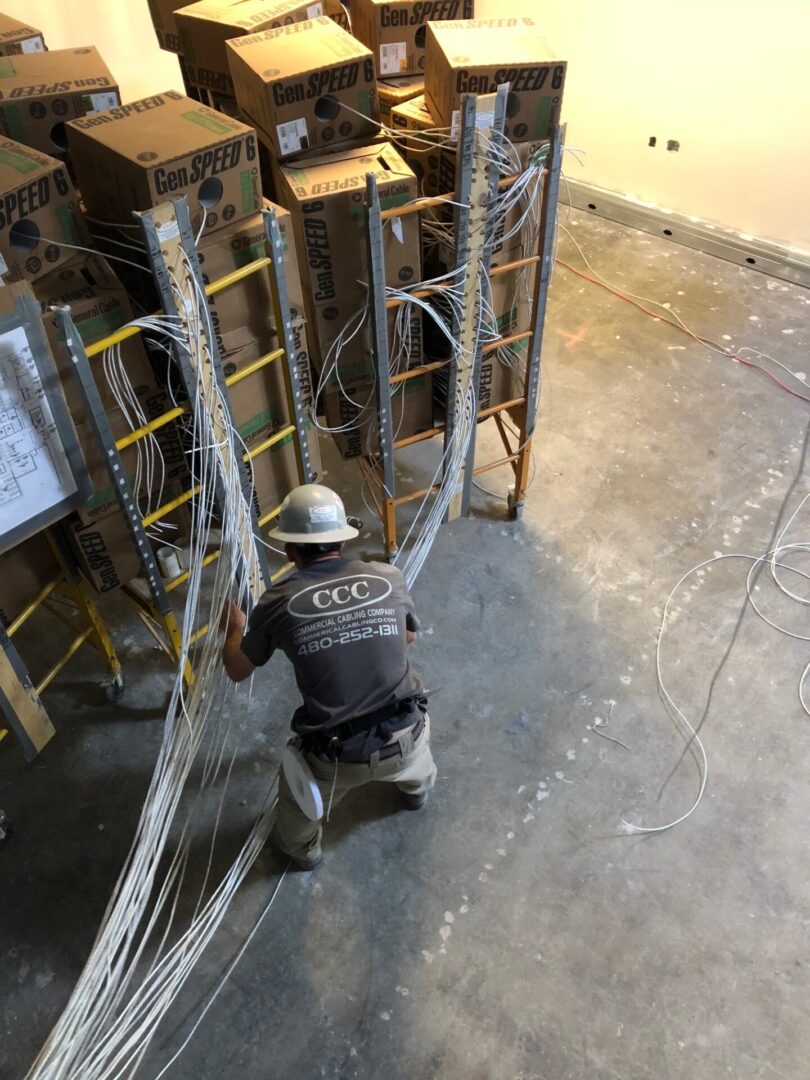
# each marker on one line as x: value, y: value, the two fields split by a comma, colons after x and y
x: 625, y: 680
x: 788, y: 330
x: 483, y: 877
x: 542, y: 784
x: 445, y: 932
x: 500, y: 851
x: 385, y: 1016
x: 676, y: 348
x: 561, y: 776
x: 428, y: 956
x: 403, y: 990
x: 726, y: 337
x: 510, y: 836
x: 449, y: 917
x: 542, y: 795
x: 464, y: 909
x: 585, y: 738
x: 571, y: 755
x: 521, y: 789
x: 529, y: 817
x: 753, y: 318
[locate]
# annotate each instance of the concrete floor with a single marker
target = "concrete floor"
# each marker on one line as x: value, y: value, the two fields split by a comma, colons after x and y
x: 511, y: 930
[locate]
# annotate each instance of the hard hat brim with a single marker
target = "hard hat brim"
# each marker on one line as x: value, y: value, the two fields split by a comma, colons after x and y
x: 333, y: 536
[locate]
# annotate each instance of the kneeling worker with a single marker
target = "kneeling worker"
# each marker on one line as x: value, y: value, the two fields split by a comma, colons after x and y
x: 345, y: 625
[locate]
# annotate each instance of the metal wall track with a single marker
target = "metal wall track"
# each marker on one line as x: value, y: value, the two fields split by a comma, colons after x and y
x: 769, y: 258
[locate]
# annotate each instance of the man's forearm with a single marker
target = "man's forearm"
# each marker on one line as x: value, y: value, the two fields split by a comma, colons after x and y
x: 236, y: 664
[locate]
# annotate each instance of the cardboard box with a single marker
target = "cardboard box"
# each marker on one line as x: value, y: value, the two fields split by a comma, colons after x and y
x: 106, y: 552
x: 38, y: 212
x: 326, y: 200
x: 355, y: 411
x: 413, y: 118
x: 339, y: 11
x: 18, y: 37
x: 204, y: 28
x: 242, y: 315
x: 41, y: 91
x: 394, y: 30
x: 391, y: 92
x: 306, y: 85
x: 274, y: 473
x: 144, y: 152
x: 24, y: 571
x: 476, y: 56
x: 165, y: 24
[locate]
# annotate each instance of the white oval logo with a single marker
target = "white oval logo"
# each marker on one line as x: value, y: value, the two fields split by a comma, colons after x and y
x: 339, y: 595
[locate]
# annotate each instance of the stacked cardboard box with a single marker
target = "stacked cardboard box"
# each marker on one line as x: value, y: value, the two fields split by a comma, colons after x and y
x: 393, y: 92
x: 476, y: 56
x: 395, y: 32
x: 326, y: 198
x: 42, y: 91
x: 204, y: 28
x: 244, y: 325
x: 306, y: 85
x: 165, y: 23
x: 142, y: 153
x: 39, y: 213
x: 18, y: 37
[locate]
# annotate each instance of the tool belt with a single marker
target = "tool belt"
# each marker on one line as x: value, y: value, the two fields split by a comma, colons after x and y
x: 356, y: 740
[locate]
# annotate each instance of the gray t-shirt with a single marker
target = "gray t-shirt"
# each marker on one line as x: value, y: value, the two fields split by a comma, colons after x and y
x: 343, y: 626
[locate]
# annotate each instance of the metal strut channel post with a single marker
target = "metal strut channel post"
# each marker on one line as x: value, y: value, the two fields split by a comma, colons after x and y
x: 168, y: 235
x: 461, y: 223
x: 379, y: 344
x: 482, y: 133
x: 115, y: 467
x: 281, y: 305
x: 548, y: 220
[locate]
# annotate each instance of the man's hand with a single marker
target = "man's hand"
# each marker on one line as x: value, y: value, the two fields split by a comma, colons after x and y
x: 232, y: 619
x: 233, y: 622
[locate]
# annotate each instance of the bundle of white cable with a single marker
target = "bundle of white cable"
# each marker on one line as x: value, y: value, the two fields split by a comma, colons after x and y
x: 774, y: 559
x: 120, y: 998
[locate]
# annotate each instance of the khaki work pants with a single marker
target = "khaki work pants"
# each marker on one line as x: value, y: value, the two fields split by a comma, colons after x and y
x: 412, y: 770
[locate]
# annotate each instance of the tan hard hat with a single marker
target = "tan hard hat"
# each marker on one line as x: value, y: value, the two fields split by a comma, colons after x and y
x: 313, y: 514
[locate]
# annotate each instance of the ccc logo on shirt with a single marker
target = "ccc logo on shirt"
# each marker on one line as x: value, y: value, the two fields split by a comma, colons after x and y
x: 339, y: 595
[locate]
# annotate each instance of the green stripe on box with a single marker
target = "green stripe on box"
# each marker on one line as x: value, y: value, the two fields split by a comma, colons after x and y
x: 386, y: 203
x: 14, y: 123
x: 67, y: 223
x: 248, y: 255
x: 104, y: 495
x: 22, y: 164
x: 364, y: 104
x: 7, y: 69
x: 246, y: 181
x: 99, y: 326
x: 207, y: 122
x: 543, y: 117
x: 256, y: 423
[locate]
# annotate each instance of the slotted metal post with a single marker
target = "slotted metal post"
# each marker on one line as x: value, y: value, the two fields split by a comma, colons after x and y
x: 115, y: 467
x: 379, y: 349
x: 461, y: 224
x: 171, y: 251
x: 281, y: 308
x: 481, y: 136
x: 548, y: 219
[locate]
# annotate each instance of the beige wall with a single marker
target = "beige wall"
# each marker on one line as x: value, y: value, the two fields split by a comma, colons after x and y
x: 121, y: 30
x: 729, y: 79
